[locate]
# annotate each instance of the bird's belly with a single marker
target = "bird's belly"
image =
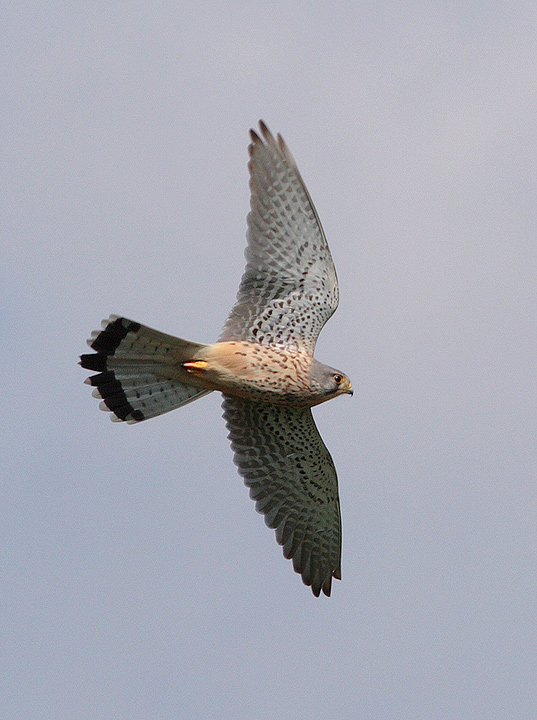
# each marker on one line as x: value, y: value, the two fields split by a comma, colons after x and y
x: 257, y: 372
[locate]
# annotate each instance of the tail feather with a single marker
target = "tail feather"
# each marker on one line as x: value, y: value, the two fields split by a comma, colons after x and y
x: 139, y: 370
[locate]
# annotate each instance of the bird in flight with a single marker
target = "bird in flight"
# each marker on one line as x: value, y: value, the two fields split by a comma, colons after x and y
x: 263, y: 365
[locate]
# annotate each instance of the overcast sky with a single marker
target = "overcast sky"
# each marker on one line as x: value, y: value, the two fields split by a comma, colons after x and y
x: 137, y: 580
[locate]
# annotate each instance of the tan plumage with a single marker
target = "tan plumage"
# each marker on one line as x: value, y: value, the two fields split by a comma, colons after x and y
x: 263, y: 365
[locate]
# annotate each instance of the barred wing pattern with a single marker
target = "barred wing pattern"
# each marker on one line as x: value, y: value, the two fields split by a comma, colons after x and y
x: 292, y: 478
x: 289, y: 289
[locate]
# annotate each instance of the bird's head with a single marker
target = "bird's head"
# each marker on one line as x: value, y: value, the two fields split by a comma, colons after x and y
x: 329, y: 381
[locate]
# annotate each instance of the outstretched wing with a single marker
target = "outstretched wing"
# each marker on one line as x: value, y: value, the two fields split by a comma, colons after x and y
x: 289, y: 289
x: 292, y: 478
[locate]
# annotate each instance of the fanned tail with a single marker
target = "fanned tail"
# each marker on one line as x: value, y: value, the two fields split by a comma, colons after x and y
x: 139, y: 370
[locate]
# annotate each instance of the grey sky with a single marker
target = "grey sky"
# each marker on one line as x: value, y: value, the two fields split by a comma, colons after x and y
x: 137, y: 580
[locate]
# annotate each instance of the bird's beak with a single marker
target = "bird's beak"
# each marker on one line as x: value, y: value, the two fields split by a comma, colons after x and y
x: 350, y: 391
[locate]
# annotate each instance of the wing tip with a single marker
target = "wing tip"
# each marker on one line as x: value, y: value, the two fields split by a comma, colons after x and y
x: 263, y: 136
x: 325, y: 585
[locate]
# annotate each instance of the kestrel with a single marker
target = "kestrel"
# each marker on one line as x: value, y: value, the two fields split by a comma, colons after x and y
x: 263, y: 365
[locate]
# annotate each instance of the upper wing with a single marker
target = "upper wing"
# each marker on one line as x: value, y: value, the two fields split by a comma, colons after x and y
x: 289, y: 288
x: 292, y: 478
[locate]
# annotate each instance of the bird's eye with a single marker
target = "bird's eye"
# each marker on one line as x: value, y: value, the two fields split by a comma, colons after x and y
x: 338, y: 379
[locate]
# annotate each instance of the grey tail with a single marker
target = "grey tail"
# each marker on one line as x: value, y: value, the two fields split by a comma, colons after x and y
x: 139, y: 370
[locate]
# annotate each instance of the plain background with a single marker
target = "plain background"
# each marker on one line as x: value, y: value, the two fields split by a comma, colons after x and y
x: 137, y: 581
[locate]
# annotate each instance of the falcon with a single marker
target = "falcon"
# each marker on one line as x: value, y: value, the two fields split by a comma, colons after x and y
x: 263, y: 365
